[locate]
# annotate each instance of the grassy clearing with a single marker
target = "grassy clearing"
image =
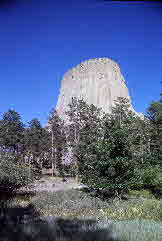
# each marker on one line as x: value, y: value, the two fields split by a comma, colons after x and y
x: 141, y: 194
x: 138, y: 219
x: 135, y: 209
x: 138, y: 230
x: 134, y: 220
x: 74, y: 203
x: 71, y: 203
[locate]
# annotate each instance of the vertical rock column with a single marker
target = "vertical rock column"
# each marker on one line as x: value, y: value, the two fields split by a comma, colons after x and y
x: 97, y: 81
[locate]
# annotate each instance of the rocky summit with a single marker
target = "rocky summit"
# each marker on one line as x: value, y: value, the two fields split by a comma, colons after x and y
x: 98, y: 81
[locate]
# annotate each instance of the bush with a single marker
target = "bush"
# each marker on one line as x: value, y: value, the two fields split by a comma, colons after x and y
x: 14, y: 175
x: 112, y: 174
x: 147, y: 173
x: 121, y: 174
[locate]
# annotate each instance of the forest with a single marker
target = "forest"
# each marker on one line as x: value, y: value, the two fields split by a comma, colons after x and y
x: 117, y: 152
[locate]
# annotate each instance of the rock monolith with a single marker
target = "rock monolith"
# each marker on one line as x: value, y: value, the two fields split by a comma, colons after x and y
x: 98, y: 81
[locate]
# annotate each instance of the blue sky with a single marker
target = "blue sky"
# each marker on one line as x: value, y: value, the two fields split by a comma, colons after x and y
x: 40, y: 40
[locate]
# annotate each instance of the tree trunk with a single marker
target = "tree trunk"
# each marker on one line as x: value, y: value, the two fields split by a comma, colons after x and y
x: 142, y: 151
x: 77, y: 166
x: 30, y: 166
x: 55, y: 162
x: 52, y: 154
x: 149, y: 148
x: 41, y: 166
x: 52, y: 169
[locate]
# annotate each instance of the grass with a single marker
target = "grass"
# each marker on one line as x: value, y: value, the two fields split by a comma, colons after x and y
x: 74, y: 203
x: 138, y: 230
x: 141, y: 194
x: 138, y: 219
x: 71, y: 203
x: 141, y: 209
x: 135, y: 220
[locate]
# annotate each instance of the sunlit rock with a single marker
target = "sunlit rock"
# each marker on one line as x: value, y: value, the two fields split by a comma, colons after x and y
x: 97, y: 81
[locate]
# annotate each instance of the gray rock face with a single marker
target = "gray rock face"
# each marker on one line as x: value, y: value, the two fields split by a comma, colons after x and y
x: 97, y: 81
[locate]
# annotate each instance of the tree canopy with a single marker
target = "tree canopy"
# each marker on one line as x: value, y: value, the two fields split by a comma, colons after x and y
x: 117, y: 150
x: 11, y: 131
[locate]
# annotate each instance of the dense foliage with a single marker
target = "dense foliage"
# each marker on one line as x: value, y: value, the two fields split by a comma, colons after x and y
x: 36, y: 145
x: 154, y: 112
x: 11, y: 131
x: 58, y: 141
x: 113, y: 151
x: 116, y: 151
x: 13, y: 174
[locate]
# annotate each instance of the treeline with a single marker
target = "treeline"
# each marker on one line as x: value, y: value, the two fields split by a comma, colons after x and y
x: 33, y: 145
x: 120, y: 150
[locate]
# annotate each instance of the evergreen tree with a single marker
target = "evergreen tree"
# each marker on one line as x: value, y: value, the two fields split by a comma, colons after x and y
x: 129, y: 133
x: 58, y: 140
x: 11, y: 131
x: 154, y: 112
x: 33, y: 137
x: 118, y: 155
x: 33, y: 143
x: 83, y: 129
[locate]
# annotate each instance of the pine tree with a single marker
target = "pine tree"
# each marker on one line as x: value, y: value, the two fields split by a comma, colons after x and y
x: 83, y: 127
x: 11, y: 131
x: 113, y: 149
x: 58, y: 141
x: 33, y: 143
x: 154, y: 112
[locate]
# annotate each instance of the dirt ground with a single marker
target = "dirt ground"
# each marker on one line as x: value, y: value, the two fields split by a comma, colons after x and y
x: 50, y: 184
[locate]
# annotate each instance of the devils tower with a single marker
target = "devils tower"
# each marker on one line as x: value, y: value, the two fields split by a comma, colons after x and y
x: 98, y: 81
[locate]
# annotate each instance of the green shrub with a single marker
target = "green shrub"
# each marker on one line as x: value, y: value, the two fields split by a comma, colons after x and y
x: 113, y: 174
x: 13, y: 175
x: 122, y: 174
x: 147, y: 174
